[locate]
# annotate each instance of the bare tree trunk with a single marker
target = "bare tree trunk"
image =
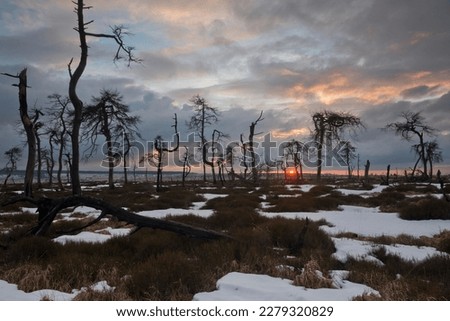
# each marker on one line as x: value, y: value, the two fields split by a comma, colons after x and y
x: 366, y: 172
x: 60, y: 167
x: 251, y: 148
x: 203, y: 143
x: 244, y: 156
x: 110, y: 164
x: 423, y: 156
x: 388, y: 171
x: 51, y: 164
x: 39, y: 160
x: 29, y: 130
x: 126, y: 152
x: 159, y: 175
x: 76, y: 101
x: 186, y: 166
x: 31, y: 138
x: 161, y: 150
x: 319, y: 155
x: 431, y: 168
x: 415, y: 167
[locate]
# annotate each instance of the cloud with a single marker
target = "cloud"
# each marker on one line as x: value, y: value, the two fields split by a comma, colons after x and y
x: 419, y: 91
x: 288, y: 58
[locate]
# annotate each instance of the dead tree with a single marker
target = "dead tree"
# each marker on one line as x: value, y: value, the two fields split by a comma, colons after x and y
x: 109, y: 117
x: 59, y: 118
x: 160, y: 149
x: 328, y: 127
x: 229, y: 160
x: 388, y: 172
x: 366, y: 172
x: 251, y: 148
x: 28, y: 126
x: 433, y: 155
x: 13, y: 155
x: 294, y: 149
x: 414, y: 125
x: 244, y: 156
x: 37, y: 126
x: 123, y: 52
x: 186, y: 165
x: 347, y: 152
x: 212, y: 161
x: 205, y: 115
x: 48, y: 209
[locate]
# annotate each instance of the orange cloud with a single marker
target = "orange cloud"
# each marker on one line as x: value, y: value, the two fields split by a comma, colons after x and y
x: 283, y: 134
x: 351, y: 85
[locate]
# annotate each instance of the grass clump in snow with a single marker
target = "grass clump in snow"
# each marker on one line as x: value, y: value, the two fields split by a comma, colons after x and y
x: 312, y: 277
x: 301, y: 237
x: 237, y: 210
x: 399, y: 279
x: 425, y: 209
x: 321, y: 197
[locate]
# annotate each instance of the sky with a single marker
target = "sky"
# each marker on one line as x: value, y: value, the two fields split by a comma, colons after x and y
x: 289, y: 59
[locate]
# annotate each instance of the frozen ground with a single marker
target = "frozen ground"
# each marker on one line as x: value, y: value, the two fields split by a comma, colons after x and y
x: 239, y: 286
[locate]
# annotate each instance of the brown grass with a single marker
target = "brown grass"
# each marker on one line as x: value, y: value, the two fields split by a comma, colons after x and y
x: 404, y: 280
x: 425, y: 209
x: 312, y: 277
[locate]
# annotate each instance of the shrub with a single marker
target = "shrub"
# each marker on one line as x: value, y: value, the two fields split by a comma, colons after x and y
x: 234, y: 211
x: 30, y: 249
x: 300, y: 237
x: 371, y: 274
x: 231, y: 219
x: 443, y: 242
x: 169, y: 276
x: 408, y: 188
x: 319, y: 190
x: 234, y: 201
x: 305, y: 203
x: 425, y: 209
x: 386, y: 200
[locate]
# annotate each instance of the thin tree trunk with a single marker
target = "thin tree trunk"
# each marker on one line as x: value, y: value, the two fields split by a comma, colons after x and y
x: 125, y: 158
x: 319, y: 154
x: 76, y: 101
x: 31, y: 137
x: 366, y: 172
x: 39, y: 160
x: 52, y: 162
x: 110, y: 164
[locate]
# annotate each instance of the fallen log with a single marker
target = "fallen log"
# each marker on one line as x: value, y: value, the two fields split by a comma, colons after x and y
x: 49, y: 208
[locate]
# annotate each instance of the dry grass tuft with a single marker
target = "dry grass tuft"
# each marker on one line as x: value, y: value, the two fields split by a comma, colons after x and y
x: 425, y: 209
x: 312, y: 277
x: 31, y: 277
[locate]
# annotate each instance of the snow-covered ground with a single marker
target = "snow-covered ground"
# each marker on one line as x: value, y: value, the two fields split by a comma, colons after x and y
x: 240, y: 286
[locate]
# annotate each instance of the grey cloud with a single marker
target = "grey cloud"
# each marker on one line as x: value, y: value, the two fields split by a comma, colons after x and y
x: 403, y: 34
x: 46, y: 45
x: 400, y: 34
x: 419, y: 91
x: 295, y: 42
